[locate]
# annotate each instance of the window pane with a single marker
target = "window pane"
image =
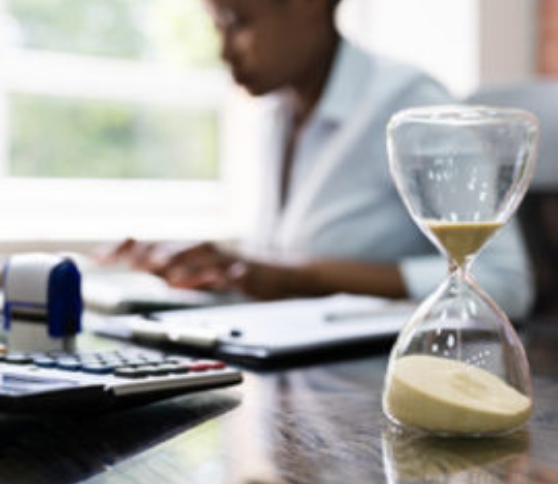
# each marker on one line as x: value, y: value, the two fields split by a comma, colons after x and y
x: 54, y: 137
x: 171, y: 31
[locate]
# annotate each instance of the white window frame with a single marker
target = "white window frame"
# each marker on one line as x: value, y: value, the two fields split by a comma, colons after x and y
x: 47, y: 210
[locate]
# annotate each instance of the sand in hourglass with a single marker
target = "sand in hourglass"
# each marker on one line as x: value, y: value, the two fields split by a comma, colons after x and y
x: 461, y: 239
x: 448, y: 396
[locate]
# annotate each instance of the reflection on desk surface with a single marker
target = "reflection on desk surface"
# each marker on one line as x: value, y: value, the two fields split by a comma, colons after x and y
x: 57, y: 449
x: 421, y: 458
x: 315, y: 425
x: 325, y: 425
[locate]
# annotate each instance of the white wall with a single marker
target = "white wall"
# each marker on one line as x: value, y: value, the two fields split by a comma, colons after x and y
x: 3, y: 99
x: 508, y: 39
x: 438, y: 35
x: 3, y: 124
x: 461, y: 42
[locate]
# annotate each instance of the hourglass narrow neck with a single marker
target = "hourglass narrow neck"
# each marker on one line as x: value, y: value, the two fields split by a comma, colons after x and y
x: 457, y: 277
x: 463, y: 269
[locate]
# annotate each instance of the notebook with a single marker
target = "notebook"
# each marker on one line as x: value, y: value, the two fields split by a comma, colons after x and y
x: 267, y: 330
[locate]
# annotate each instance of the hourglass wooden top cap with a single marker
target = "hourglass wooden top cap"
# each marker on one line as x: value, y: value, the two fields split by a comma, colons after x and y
x: 464, y: 115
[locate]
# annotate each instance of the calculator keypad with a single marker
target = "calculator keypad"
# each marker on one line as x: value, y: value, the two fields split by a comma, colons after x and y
x: 118, y: 363
x: 31, y: 379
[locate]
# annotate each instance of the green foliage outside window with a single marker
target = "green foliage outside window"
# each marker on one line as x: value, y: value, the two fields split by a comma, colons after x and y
x: 91, y: 139
x: 176, y: 31
x: 57, y: 137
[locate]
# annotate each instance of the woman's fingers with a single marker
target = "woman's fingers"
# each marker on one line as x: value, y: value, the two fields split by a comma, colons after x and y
x: 114, y: 253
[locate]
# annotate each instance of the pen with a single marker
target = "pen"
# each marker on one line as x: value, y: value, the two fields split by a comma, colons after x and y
x: 350, y: 315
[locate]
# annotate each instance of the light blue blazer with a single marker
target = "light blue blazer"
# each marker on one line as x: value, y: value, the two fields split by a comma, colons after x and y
x: 342, y: 202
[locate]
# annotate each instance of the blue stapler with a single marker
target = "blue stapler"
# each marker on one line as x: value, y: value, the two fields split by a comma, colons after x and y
x: 42, y: 303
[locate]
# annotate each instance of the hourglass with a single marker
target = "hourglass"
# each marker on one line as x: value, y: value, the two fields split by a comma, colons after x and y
x: 458, y: 366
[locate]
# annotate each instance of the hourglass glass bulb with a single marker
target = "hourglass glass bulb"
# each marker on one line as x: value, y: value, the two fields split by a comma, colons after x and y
x: 458, y: 367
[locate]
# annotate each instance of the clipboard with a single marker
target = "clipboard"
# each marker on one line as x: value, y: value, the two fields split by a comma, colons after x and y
x: 268, y: 331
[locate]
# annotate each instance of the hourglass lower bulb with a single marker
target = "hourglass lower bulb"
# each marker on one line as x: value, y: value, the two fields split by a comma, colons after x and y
x: 458, y: 367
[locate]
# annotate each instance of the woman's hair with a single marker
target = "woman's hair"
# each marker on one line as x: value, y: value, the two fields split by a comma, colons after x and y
x: 334, y: 3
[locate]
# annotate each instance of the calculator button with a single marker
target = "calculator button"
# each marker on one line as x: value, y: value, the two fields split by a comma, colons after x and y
x: 150, y: 370
x: 109, y: 367
x: 86, y: 355
x: 60, y: 354
x: 133, y: 372
x: 128, y: 372
x: 90, y: 361
x: 134, y: 362
x: 178, y: 359
x: 44, y: 362
x: 117, y: 354
x: 18, y: 359
x: 179, y: 368
x: 164, y: 369
x: 69, y: 364
x: 113, y: 364
x: 201, y: 365
x: 218, y: 365
x: 153, y: 360
x: 97, y: 369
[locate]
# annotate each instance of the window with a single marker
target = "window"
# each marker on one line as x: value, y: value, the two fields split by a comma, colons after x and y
x: 101, y: 95
x: 111, y: 119
x: 69, y: 138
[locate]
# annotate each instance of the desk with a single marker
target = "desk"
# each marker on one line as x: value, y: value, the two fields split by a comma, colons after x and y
x: 312, y: 425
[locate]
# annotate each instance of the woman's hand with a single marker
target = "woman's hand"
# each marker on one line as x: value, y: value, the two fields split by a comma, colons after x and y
x: 201, y: 266
x: 206, y: 266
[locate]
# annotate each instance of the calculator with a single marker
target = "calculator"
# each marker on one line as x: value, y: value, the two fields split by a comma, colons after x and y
x: 88, y: 381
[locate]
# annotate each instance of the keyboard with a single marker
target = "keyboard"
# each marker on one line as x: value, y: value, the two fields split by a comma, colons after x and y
x: 125, y: 292
x: 95, y: 381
